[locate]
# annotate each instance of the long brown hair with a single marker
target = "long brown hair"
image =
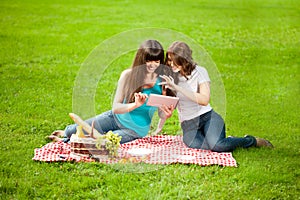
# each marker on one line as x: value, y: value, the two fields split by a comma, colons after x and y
x: 181, y: 54
x: 149, y: 50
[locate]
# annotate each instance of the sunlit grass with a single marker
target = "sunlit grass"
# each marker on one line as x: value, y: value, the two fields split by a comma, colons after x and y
x: 254, y: 44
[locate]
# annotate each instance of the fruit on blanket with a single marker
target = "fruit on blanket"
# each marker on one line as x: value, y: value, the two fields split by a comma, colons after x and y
x: 123, y: 161
x: 111, y: 142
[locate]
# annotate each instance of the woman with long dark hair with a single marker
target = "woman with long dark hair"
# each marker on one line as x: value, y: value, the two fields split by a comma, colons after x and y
x: 130, y: 116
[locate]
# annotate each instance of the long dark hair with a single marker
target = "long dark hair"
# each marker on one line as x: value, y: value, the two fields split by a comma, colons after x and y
x: 181, y: 54
x: 149, y: 50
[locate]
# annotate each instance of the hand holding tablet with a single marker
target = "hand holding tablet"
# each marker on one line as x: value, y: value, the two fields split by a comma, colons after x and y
x: 159, y: 100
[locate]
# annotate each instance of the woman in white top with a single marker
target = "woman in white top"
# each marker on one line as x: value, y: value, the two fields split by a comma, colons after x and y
x: 202, y: 127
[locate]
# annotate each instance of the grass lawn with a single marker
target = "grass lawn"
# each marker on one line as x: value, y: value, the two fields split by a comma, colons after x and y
x: 253, y: 44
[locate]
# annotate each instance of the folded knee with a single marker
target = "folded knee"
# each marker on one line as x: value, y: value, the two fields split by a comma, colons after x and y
x: 191, y: 143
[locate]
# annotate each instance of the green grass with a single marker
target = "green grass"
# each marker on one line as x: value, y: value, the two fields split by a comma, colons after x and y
x: 254, y: 44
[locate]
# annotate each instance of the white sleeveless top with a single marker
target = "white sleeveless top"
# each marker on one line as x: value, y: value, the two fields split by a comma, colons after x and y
x: 188, y: 109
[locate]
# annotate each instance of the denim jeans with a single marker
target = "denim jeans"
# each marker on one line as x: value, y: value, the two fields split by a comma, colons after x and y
x: 103, y: 123
x: 207, y: 131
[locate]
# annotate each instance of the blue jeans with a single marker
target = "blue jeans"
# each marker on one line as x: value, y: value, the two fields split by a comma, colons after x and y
x: 207, y: 131
x: 103, y: 123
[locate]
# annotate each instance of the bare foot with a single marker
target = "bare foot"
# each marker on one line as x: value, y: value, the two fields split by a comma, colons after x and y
x: 54, y: 138
x: 58, y: 133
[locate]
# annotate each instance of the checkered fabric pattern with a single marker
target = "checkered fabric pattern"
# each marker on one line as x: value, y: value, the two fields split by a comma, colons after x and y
x: 164, y: 149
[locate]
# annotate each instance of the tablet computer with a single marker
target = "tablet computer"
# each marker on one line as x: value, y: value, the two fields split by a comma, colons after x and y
x: 159, y: 100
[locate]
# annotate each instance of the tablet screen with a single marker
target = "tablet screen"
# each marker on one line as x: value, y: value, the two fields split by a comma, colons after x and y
x: 159, y: 100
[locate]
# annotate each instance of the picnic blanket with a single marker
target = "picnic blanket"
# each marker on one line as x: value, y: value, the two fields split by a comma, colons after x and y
x: 162, y: 149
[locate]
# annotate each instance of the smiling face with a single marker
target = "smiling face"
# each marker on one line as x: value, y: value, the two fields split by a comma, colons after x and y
x: 171, y: 63
x: 151, y: 66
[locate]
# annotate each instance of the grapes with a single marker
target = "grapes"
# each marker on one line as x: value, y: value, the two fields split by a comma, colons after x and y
x: 111, y: 142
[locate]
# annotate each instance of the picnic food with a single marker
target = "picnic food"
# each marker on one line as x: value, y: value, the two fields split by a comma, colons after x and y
x: 89, y: 129
x: 94, y: 144
x: 103, y: 146
x: 86, y: 145
x: 111, y: 142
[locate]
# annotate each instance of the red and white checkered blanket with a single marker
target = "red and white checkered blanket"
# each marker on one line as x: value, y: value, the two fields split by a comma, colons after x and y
x: 164, y: 149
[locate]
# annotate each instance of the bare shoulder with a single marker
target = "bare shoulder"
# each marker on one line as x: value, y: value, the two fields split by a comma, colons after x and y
x: 124, y: 75
x: 126, y: 72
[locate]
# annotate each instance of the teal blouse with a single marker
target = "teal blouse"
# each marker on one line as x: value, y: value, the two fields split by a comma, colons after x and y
x: 140, y: 118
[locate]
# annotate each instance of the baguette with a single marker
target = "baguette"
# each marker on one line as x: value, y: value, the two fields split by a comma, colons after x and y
x: 90, y: 130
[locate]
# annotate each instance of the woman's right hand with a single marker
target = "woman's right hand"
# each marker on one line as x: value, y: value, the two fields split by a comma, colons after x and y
x: 169, y: 82
x: 140, y: 98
